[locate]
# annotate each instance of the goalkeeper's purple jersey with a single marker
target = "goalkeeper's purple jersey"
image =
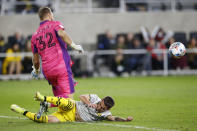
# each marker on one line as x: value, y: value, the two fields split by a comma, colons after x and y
x: 53, y: 52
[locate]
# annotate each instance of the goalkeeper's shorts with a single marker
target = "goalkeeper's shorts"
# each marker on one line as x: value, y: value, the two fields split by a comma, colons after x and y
x: 63, y: 84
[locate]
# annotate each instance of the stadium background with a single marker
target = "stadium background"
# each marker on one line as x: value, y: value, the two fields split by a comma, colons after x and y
x: 104, y: 29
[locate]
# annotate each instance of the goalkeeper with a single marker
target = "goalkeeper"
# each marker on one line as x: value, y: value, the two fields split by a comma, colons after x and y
x: 49, y: 43
x: 89, y: 108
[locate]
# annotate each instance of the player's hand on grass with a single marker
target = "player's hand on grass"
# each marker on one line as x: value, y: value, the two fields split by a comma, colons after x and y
x: 129, y: 118
x: 92, y: 105
x: 35, y: 73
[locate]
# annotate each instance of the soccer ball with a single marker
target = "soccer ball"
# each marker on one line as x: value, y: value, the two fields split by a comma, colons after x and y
x: 177, y: 49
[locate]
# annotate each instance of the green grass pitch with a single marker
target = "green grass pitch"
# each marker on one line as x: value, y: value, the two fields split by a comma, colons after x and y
x: 156, y: 103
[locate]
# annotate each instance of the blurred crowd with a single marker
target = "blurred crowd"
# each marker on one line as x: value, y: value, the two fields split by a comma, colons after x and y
x: 119, y: 63
x: 158, y: 39
x: 11, y: 64
x: 23, y: 6
x: 32, y: 6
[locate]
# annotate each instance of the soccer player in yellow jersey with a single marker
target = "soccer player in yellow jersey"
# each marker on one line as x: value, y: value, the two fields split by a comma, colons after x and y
x: 89, y: 108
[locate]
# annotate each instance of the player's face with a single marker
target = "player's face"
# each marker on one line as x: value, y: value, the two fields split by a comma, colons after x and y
x: 51, y: 16
x: 101, y: 106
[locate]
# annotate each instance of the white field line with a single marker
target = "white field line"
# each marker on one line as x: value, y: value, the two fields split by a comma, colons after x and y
x: 131, y: 126
x: 12, y: 117
x: 104, y: 124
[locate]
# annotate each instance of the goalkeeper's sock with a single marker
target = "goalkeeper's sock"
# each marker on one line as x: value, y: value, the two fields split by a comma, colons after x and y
x: 33, y: 116
x: 64, y: 103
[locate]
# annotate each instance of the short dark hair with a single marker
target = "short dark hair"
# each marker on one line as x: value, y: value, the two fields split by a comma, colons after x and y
x: 43, y: 11
x: 109, y: 102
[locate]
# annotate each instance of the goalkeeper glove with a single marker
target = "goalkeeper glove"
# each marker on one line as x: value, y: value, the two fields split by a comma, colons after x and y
x: 77, y: 47
x: 35, y: 73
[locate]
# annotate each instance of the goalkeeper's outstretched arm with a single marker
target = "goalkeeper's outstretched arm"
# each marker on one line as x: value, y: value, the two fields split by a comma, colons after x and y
x: 65, y: 37
x: 116, y: 118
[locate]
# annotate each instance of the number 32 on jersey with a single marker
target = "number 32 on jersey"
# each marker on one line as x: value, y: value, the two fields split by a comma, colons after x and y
x: 43, y: 44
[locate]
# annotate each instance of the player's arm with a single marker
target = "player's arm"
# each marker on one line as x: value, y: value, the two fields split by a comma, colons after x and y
x: 36, y: 66
x: 116, y: 118
x: 65, y: 37
x: 86, y: 100
x: 36, y: 61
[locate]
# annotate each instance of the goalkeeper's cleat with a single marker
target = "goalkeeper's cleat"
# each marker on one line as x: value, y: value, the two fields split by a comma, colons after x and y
x: 43, y: 109
x: 17, y: 109
x: 38, y: 97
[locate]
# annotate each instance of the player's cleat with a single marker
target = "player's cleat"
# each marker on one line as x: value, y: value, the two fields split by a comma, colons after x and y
x: 38, y: 97
x: 17, y: 109
x: 43, y: 109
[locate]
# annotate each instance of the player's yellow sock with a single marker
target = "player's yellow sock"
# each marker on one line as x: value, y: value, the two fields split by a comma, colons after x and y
x: 64, y: 103
x: 33, y: 116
